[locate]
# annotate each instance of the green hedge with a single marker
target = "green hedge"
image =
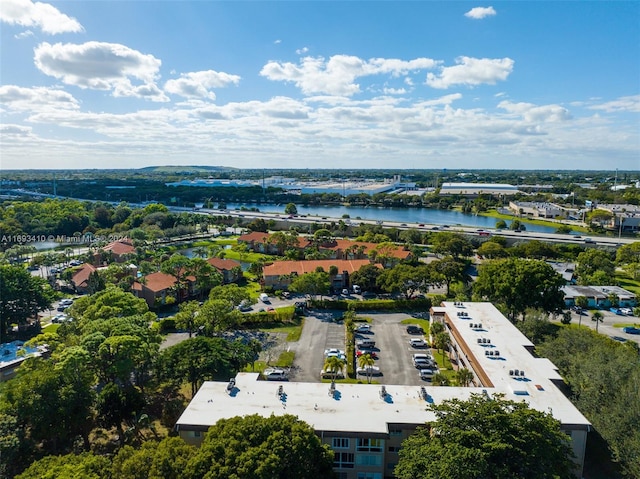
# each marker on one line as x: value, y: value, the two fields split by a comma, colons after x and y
x: 421, y: 304
x: 280, y: 315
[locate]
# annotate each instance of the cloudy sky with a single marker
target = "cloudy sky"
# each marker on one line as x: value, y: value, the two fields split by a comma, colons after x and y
x: 327, y: 84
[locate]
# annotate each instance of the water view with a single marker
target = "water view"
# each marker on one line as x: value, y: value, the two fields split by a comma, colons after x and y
x: 403, y: 215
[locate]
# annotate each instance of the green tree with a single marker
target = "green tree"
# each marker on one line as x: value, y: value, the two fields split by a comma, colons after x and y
x: 315, y: 283
x: 367, y: 361
x: 442, y: 341
x: 230, y: 292
x: 446, y: 243
x: 334, y: 365
x: 366, y: 277
x: 407, y: 279
x: 595, y: 267
x: 196, y: 360
x: 166, y: 459
x: 85, y: 466
x: 598, y: 317
x: 186, y: 317
x: 177, y: 266
x: 492, y: 250
x: 464, y: 377
x: 291, y: 209
x: 628, y: 253
x: 206, y: 275
x: 255, y: 447
x: 116, y: 405
x: 22, y: 296
x: 519, y: 284
x: 451, y: 270
x: 218, y: 315
x: 486, y: 437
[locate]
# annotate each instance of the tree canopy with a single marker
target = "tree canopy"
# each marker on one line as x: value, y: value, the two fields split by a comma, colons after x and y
x: 486, y: 437
x: 22, y: 296
x: 519, y: 284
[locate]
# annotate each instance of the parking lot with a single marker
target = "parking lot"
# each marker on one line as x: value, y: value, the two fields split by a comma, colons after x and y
x: 321, y: 331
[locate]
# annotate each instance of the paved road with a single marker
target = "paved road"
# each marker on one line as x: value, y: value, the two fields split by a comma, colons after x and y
x: 606, y: 327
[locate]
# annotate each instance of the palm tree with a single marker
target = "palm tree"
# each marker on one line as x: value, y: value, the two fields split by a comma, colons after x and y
x: 333, y: 364
x: 598, y: 317
x: 464, y: 377
x: 435, y: 328
x: 439, y: 379
x: 583, y: 303
x: 367, y: 361
x: 442, y: 340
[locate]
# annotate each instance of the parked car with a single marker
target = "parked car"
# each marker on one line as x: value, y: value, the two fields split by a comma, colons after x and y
x: 360, y: 352
x: 356, y: 289
x: 59, y: 318
x: 369, y: 371
x: 345, y: 292
x: 417, y: 343
x: 627, y: 311
x: 324, y: 374
x: 414, y: 329
x: 427, y: 373
x: 264, y: 297
x: 334, y: 352
x: 363, y: 328
x: 75, y: 262
x: 369, y: 295
x: 631, y: 330
x: 366, y: 344
x: 424, y: 364
x: 617, y: 311
x: 273, y: 374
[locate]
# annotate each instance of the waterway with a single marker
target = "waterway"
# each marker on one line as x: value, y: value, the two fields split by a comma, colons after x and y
x: 401, y: 215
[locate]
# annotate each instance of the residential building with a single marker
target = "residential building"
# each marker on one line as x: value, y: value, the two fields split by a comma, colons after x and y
x: 598, y: 296
x: 230, y: 269
x: 80, y: 279
x: 157, y: 287
x: 365, y: 424
x: 121, y: 250
x: 279, y: 274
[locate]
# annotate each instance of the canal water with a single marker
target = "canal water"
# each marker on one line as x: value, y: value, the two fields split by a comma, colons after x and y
x: 401, y: 215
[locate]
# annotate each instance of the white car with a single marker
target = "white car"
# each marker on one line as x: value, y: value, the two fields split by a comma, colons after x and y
x: 363, y: 328
x: 427, y: 374
x: 273, y: 374
x: 59, y: 318
x: 334, y: 352
x: 369, y: 371
x: 417, y: 343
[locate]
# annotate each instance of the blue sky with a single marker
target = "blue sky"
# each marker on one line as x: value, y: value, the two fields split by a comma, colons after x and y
x: 330, y: 84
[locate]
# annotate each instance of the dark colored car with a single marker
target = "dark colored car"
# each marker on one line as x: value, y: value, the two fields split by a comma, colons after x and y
x: 413, y: 329
x: 631, y: 330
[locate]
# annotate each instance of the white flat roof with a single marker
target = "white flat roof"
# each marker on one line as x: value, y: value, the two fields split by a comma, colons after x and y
x: 360, y: 408
x: 536, y: 386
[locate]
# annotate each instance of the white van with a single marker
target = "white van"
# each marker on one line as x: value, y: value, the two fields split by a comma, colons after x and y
x: 272, y: 374
x: 356, y: 289
x: 264, y: 297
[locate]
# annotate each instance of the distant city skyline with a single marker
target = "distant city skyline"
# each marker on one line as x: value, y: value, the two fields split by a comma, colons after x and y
x: 320, y: 84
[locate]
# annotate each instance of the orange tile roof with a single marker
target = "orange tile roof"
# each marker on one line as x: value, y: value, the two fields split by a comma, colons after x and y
x: 222, y: 263
x: 344, y: 244
x: 280, y: 268
x: 81, y: 276
x: 120, y: 247
x: 160, y: 281
x: 255, y: 236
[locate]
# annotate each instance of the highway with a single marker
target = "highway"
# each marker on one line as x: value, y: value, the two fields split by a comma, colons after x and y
x: 511, y: 236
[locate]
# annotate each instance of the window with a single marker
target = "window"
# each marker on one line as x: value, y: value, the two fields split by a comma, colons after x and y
x: 395, y: 432
x: 394, y: 448
x: 340, y: 443
x: 343, y: 460
x: 372, y: 445
x: 369, y: 475
x: 369, y: 460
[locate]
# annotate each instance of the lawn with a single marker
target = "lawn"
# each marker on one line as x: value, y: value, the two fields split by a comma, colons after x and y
x: 50, y: 328
x: 629, y: 284
x: 525, y: 220
x: 293, y: 331
x: 285, y: 360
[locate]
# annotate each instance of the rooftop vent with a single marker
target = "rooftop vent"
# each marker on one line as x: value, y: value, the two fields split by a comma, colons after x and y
x: 280, y: 392
x: 423, y: 393
x: 231, y: 385
x: 383, y: 392
x: 496, y: 353
x: 332, y: 388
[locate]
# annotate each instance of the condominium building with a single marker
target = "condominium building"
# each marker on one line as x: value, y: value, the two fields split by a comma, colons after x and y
x: 365, y: 424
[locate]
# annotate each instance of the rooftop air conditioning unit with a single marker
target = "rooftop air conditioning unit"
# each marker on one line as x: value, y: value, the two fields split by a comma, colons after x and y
x: 479, y: 340
x: 486, y: 353
x: 510, y: 372
x: 383, y: 392
x: 497, y: 353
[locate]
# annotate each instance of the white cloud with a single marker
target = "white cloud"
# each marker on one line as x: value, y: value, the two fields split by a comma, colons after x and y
x: 625, y: 103
x: 302, y: 51
x: 478, y: 13
x: 472, y: 71
x: 536, y: 114
x: 28, y: 14
x: 101, y: 66
x: 25, y: 34
x: 16, y: 98
x: 198, y: 84
x: 394, y: 91
x: 16, y: 131
x: 337, y: 76
x: 277, y: 42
